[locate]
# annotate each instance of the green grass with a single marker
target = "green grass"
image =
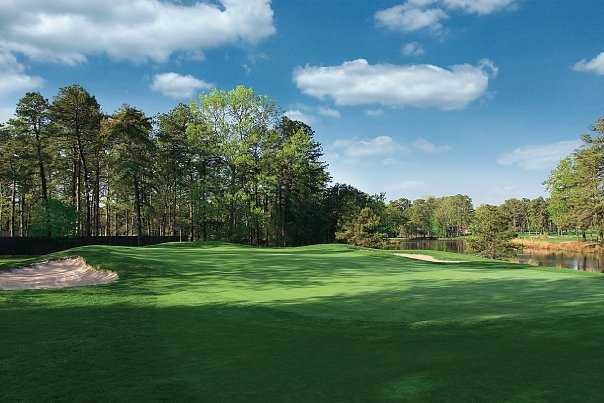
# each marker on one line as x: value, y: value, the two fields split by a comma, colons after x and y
x: 221, y: 323
x: 9, y: 262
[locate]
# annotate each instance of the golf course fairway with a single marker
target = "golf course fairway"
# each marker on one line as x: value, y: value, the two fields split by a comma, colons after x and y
x: 223, y: 323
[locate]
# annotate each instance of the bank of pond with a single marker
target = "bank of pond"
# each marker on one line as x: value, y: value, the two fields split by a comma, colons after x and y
x: 580, y: 261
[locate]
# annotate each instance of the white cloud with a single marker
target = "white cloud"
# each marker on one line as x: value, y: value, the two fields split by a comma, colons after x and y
x: 411, y: 16
x: 359, y: 83
x: 412, y: 49
x: 539, y: 157
x: 69, y: 31
x: 13, y: 78
x: 329, y: 113
x: 376, y: 146
x: 428, y: 147
x: 595, y: 65
x: 414, y: 15
x: 301, y: 116
x: 479, y: 6
x: 374, y: 113
x: 311, y: 114
x: 178, y: 86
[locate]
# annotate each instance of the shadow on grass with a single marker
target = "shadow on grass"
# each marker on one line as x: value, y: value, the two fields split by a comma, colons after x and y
x: 254, y: 354
x: 316, y: 324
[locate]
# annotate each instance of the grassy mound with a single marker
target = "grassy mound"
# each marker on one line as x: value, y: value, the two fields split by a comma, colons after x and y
x: 218, y: 322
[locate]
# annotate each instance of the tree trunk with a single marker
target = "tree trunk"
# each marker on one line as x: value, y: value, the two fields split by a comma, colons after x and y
x: 78, y: 195
x: 139, y: 221
x: 86, y: 175
x: 285, y: 216
x: 232, y: 206
x: 1, y: 211
x: 22, y: 214
x: 41, y: 169
x: 107, y: 216
x: 97, y: 198
x: 13, y: 209
x: 204, y: 218
x: 127, y: 222
x: 191, y: 217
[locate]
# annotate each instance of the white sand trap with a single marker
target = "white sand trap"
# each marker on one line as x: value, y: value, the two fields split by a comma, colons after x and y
x: 426, y: 258
x: 70, y: 272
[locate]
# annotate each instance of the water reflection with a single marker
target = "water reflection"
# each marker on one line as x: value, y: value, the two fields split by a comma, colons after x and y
x: 566, y: 260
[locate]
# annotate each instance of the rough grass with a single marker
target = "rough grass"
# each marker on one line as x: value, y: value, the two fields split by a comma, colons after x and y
x: 222, y: 323
x: 554, y: 238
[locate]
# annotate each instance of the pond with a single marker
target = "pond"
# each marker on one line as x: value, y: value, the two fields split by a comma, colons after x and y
x: 533, y: 257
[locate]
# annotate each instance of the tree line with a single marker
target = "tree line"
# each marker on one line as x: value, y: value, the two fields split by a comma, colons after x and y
x: 228, y: 166
x: 575, y: 205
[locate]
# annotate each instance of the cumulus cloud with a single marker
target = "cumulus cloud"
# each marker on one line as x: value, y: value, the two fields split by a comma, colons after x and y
x: 479, y: 6
x: 178, y: 86
x: 359, y: 83
x: 311, y: 114
x: 69, y: 31
x: 330, y: 113
x: 411, y: 16
x: 428, y: 147
x: 595, y: 65
x: 415, y: 15
x: 371, y: 147
x: 412, y: 49
x: 13, y: 77
x: 14, y: 81
x: 301, y: 116
x: 539, y: 157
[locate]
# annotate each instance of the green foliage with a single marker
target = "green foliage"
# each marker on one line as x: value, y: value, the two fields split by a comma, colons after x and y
x: 363, y: 230
x: 395, y: 217
x: 419, y: 218
x: 231, y: 166
x: 343, y: 203
x: 561, y: 185
x: 53, y: 219
x: 538, y: 215
x: 132, y: 154
x: 577, y: 186
x: 490, y: 234
x: 453, y: 215
x: 517, y: 213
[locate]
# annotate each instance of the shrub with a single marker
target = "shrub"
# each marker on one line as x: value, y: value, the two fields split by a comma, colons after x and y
x: 491, y: 236
x: 364, y: 230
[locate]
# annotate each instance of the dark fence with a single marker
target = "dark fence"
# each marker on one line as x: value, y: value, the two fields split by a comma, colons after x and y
x: 42, y: 246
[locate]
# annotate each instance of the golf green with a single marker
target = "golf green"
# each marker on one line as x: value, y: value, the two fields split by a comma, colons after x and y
x: 224, y: 323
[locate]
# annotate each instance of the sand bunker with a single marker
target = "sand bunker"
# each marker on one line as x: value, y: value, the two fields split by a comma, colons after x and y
x: 426, y: 258
x: 70, y: 272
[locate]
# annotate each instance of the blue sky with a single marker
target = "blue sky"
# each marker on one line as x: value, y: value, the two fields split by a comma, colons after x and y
x: 411, y: 98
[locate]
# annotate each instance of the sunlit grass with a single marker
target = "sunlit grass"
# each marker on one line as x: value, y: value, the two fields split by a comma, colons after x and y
x: 218, y: 322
